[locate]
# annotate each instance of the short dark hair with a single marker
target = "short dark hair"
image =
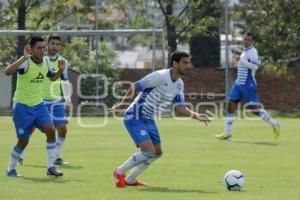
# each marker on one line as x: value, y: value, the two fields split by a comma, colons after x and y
x: 54, y: 37
x: 33, y: 40
x: 177, y: 55
x: 249, y: 34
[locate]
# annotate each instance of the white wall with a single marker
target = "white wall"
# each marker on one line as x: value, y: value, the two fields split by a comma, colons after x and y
x: 5, y: 89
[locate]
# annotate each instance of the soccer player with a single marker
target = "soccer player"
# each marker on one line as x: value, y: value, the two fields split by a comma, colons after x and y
x: 158, y: 91
x: 244, y: 89
x: 52, y: 96
x: 29, y: 110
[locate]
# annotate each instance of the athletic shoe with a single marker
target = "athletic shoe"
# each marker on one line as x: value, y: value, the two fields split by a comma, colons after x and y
x: 223, y: 136
x: 13, y: 173
x: 52, y: 172
x: 119, y: 179
x: 20, y: 161
x: 276, y: 130
x: 136, y: 183
x: 60, y: 161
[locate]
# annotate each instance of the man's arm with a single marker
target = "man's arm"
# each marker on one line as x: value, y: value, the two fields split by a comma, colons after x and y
x: 189, y: 113
x: 129, y: 96
x: 249, y: 64
x: 11, y: 69
x: 55, y: 75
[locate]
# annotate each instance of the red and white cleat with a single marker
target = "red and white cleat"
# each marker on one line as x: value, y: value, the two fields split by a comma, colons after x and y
x: 136, y: 183
x: 119, y: 179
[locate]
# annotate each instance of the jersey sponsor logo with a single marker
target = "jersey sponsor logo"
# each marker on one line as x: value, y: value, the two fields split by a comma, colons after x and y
x: 38, y: 79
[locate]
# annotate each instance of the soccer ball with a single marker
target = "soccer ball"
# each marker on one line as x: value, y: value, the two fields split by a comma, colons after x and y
x: 234, y: 180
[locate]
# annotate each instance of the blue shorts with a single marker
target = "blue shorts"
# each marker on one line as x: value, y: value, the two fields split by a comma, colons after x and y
x: 27, y: 117
x: 142, y: 130
x: 57, y: 112
x: 245, y: 93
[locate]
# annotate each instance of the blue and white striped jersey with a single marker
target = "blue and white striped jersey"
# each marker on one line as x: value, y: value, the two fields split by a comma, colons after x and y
x: 247, y: 66
x: 158, y: 93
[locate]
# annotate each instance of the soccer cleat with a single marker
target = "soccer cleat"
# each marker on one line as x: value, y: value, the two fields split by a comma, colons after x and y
x: 13, y: 173
x: 52, y: 172
x: 119, y: 179
x: 223, y: 136
x: 60, y: 161
x: 136, y: 183
x: 276, y: 130
x: 20, y: 161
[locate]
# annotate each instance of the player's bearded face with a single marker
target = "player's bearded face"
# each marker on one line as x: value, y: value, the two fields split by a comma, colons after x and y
x: 184, y: 66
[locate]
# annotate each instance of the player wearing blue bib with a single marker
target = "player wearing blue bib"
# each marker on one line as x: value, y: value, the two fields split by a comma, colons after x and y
x: 244, y: 89
x: 158, y: 91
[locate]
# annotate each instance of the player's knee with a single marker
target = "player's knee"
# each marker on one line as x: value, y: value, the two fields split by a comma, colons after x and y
x: 148, y: 154
x: 22, y: 143
x: 158, y: 154
x: 50, y: 133
x: 62, y: 130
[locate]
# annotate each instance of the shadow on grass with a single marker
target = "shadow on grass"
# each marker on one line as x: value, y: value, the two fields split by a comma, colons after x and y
x: 267, y: 143
x: 173, y: 190
x: 68, y: 166
x: 49, y: 179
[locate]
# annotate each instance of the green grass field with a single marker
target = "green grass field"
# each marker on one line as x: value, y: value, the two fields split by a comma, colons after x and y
x: 192, y: 167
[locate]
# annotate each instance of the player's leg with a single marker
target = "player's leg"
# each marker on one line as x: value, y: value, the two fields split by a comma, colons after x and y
x: 255, y: 103
x: 15, y: 156
x: 60, y: 140
x: 265, y: 116
x: 23, y: 120
x: 45, y: 124
x: 22, y: 156
x: 234, y: 98
x: 146, y: 152
x: 139, y: 133
x: 131, y: 179
x: 60, y: 122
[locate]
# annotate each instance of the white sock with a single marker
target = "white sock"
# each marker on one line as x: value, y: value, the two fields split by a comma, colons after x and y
x: 229, y: 123
x: 134, y: 160
x: 51, y: 148
x: 59, y: 144
x: 267, y: 118
x: 22, y: 155
x: 138, y: 170
x: 14, y: 157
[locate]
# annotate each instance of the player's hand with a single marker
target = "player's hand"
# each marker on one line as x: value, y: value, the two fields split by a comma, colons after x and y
x: 61, y: 65
x: 68, y: 103
x: 203, y: 118
x: 27, y: 52
x: 116, y: 108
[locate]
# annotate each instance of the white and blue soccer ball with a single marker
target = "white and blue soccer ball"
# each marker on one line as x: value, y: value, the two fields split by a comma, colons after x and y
x: 234, y: 180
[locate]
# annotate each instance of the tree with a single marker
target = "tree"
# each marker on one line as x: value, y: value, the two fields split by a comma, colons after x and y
x: 32, y: 14
x: 195, y: 22
x: 205, y: 43
x: 276, y: 26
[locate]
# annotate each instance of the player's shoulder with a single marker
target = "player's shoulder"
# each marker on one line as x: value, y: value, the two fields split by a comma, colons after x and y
x: 163, y: 72
x: 61, y: 57
x: 253, y: 50
x: 180, y: 84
